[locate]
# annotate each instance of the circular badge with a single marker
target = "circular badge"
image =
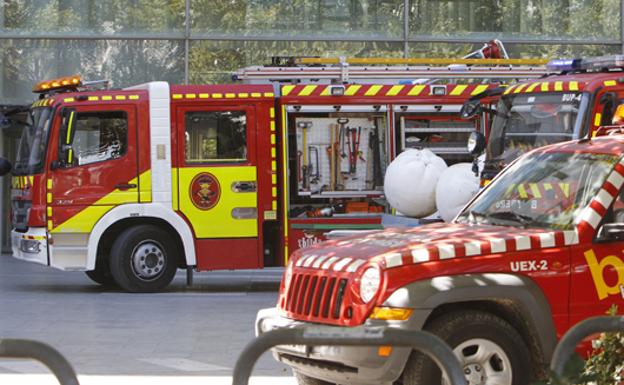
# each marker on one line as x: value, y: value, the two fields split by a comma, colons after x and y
x: 205, y: 191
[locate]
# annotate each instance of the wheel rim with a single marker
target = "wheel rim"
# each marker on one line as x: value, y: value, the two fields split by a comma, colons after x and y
x: 483, y: 362
x: 148, y: 260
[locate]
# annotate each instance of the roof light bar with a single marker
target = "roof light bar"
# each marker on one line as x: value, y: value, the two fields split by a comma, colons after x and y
x: 67, y: 82
x: 603, y: 62
x: 564, y: 65
x: 598, y: 63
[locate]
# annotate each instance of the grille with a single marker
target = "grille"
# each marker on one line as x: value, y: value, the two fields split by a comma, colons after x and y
x: 314, y: 296
x: 20, y: 214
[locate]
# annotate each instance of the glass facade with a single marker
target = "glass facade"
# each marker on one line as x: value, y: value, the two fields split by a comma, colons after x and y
x: 199, y: 41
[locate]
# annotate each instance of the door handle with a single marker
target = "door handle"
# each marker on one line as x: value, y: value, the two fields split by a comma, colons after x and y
x: 244, y: 187
x: 125, y: 186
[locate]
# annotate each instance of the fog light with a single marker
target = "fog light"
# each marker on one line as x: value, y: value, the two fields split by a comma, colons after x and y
x: 29, y: 246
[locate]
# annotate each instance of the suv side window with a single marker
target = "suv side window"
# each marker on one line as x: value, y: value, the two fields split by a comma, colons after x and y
x: 99, y: 136
x: 215, y: 136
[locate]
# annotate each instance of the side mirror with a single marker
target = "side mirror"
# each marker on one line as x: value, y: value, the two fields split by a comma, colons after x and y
x: 5, y: 166
x: 470, y: 109
x: 476, y: 143
x: 612, y: 232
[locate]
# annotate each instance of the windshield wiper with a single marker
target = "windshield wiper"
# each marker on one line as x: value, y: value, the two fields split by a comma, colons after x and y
x: 524, y: 220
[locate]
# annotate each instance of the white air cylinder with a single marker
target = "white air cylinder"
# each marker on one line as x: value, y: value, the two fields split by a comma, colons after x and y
x: 456, y: 186
x: 410, y: 182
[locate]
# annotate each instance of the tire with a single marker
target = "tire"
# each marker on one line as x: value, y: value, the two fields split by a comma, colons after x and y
x: 302, y: 379
x: 101, y: 274
x: 143, y: 259
x: 490, y: 351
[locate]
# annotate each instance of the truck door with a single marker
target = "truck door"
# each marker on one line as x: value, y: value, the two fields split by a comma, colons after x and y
x: 598, y: 268
x: 96, y: 166
x: 217, y: 183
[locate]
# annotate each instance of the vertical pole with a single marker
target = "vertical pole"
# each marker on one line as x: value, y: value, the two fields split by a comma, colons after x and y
x: 406, y: 28
x: 622, y: 25
x: 187, y: 35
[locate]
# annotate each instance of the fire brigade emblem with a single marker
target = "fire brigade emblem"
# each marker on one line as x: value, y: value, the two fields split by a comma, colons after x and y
x: 205, y: 191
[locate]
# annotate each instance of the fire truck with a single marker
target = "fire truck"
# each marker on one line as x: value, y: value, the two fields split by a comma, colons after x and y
x: 500, y: 284
x: 577, y: 97
x: 131, y: 184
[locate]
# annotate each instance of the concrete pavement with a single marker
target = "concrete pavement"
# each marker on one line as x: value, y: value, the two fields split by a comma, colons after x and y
x: 183, y: 334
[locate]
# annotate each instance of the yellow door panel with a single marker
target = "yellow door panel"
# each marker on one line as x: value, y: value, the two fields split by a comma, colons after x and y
x: 220, y: 202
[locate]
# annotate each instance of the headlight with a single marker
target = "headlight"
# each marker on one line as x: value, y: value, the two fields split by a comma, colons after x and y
x: 369, y: 284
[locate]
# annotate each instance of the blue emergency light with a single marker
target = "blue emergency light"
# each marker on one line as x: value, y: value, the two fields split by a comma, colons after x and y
x: 597, y: 63
x: 564, y: 65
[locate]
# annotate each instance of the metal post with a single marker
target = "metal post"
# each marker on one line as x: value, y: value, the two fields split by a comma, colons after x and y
x: 577, y: 333
x: 406, y: 28
x: 187, y: 35
x: 622, y: 25
x: 50, y: 357
x: 427, y: 343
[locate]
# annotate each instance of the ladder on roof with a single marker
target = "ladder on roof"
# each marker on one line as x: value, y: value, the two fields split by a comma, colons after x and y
x: 388, y: 70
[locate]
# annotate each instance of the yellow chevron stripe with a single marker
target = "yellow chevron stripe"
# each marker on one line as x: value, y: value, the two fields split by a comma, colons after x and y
x: 597, y: 119
x: 508, y: 90
x: 532, y: 87
x: 416, y: 90
x: 573, y: 86
x: 326, y: 91
x: 352, y: 89
x: 478, y: 89
x: 458, y: 90
x: 519, y: 88
x: 544, y: 87
x: 394, y: 91
x: 373, y: 90
x: 287, y: 89
x: 610, y: 83
x: 307, y: 90
x: 535, y: 190
x: 558, y: 86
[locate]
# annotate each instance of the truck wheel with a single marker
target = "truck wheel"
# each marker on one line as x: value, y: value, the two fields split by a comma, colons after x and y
x: 302, y: 379
x: 101, y: 274
x: 489, y: 349
x: 143, y: 259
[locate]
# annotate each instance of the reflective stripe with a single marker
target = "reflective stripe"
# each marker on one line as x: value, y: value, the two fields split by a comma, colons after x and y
x: 352, y: 89
x: 458, y: 90
x: 523, y: 242
x: 478, y: 89
x: 394, y: 90
x: 416, y: 90
x: 393, y: 260
x: 373, y: 90
x: 420, y: 255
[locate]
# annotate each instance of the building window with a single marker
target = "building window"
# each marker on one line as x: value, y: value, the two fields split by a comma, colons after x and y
x: 215, y: 136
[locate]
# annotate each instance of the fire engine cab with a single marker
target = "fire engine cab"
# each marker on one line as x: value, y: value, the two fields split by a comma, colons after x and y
x: 131, y: 184
x: 571, y: 102
x: 500, y: 284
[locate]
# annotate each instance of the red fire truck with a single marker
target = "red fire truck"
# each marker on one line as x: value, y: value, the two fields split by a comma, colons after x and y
x: 500, y: 284
x: 577, y: 97
x: 131, y: 184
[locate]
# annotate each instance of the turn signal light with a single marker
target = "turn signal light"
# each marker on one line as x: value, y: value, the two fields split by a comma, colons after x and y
x: 53, y: 84
x: 391, y: 313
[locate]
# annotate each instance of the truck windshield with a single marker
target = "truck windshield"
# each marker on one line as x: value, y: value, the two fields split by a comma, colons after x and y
x: 546, y: 190
x: 525, y: 121
x: 33, y: 143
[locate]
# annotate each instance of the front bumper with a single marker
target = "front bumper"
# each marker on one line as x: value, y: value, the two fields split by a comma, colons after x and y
x: 31, y: 246
x: 337, y: 364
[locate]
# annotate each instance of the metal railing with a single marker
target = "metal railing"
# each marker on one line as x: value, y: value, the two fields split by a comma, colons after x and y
x: 574, y: 336
x: 424, y: 342
x: 34, y: 350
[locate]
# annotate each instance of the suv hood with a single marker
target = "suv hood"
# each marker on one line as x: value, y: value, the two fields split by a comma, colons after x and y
x: 399, y: 247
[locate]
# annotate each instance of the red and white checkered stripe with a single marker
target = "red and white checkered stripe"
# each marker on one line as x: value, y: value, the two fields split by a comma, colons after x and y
x: 449, y: 250
x: 592, y: 215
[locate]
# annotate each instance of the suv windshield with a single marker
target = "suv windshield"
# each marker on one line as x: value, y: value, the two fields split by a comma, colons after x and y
x: 526, y: 121
x: 33, y: 143
x: 541, y: 190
